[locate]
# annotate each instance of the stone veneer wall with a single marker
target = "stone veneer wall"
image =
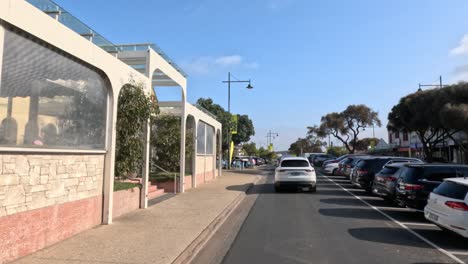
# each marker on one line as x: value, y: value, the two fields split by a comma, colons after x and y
x: 32, y: 181
x: 47, y: 198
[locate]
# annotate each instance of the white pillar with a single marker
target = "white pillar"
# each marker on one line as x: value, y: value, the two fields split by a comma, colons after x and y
x: 109, y: 162
x: 183, y: 118
x: 146, y: 168
x: 195, y: 143
x: 2, y: 38
x: 194, y: 154
x: 220, y: 151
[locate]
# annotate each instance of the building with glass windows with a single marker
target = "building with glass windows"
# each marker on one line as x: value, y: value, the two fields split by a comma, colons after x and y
x: 59, y: 87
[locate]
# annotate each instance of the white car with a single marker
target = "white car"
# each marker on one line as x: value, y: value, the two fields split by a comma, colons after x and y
x: 295, y: 172
x: 447, y: 206
x: 331, y: 168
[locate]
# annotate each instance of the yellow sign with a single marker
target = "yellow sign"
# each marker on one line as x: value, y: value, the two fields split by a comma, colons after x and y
x: 231, y: 152
x: 270, y: 148
x: 234, y: 121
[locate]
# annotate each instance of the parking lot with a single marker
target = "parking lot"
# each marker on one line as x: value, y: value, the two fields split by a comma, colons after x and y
x: 339, y: 224
x: 450, y: 244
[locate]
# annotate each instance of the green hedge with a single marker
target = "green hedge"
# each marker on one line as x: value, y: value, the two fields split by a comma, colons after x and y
x: 118, y: 186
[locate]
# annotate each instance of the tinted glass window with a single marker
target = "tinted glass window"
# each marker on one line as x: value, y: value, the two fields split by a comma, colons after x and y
x: 439, y: 173
x: 411, y: 175
x: 452, y: 190
x: 294, y: 163
x: 49, y: 99
x: 388, y: 171
x: 377, y: 165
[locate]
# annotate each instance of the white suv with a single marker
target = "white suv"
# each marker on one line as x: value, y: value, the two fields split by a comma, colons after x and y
x: 448, y: 206
x: 295, y: 172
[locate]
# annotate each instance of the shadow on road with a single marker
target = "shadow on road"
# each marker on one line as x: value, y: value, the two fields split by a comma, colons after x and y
x: 445, y: 239
x: 385, y: 235
x: 355, y: 213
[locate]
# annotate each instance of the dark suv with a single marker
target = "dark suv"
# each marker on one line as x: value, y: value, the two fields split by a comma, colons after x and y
x: 385, y: 180
x: 365, y: 169
x: 417, y: 181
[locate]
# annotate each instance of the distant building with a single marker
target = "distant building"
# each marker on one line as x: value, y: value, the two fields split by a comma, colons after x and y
x: 408, y: 144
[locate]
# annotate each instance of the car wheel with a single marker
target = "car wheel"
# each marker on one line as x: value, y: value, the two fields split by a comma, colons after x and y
x: 313, y: 189
x: 334, y: 172
x: 277, y: 189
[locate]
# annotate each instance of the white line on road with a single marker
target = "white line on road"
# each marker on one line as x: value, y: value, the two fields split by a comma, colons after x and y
x: 401, y: 209
x: 445, y: 252
x: 417, y: 224
x: 459, y: 253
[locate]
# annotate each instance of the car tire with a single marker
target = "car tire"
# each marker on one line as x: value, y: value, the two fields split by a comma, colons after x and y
x: 334, y: 172
x: 277, y: 189
x: 313, y: 189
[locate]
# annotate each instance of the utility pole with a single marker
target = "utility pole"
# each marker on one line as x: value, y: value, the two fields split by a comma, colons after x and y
x: 270, y: 136
x: 440, y: 85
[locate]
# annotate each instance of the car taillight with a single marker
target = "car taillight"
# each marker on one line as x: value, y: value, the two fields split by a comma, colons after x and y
x: 308, y: 170
x: 362, y: 171
x: 348, y: 166
x: 413, y: 187
x: 390, y: 179
x: 282, y: 170
x: 457, y: 205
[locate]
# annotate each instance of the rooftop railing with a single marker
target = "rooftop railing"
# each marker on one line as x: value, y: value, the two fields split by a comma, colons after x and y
x: 58, y: 13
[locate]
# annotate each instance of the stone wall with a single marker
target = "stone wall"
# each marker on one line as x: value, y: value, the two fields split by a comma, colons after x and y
x: 32, y: 181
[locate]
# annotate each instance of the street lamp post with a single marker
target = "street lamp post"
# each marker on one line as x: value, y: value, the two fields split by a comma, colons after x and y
x: 229, y: 81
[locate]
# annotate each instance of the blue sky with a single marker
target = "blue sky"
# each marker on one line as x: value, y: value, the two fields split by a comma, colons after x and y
x: 305, y: 58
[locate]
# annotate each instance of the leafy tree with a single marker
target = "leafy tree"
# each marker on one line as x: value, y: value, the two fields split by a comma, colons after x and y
x: 434, y: 115
x: 365, y: 143
x: 134, y: 109
x: 347, y: 125
x: 266, y: 154
x: 245, y: 129
x: 304, y: 145
x: 337, y: 151
x: 250, y: 149
x: 165, y: 142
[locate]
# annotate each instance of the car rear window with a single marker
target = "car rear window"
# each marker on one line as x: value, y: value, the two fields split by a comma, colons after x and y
x: 388, y: 170
x: 438, y: 174
x: 294, y: 163
x: 452, y: 190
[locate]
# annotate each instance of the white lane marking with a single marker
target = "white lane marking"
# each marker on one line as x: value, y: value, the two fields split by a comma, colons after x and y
x: 443, y: 251
x: 401, y: 209
x: 418, y: 224
x: 459, y: 253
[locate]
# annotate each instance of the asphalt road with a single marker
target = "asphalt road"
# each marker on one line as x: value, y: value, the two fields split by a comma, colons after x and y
x: 335, y: 226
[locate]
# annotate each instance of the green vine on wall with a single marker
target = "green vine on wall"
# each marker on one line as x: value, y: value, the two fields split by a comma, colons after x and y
x: 134, y: 109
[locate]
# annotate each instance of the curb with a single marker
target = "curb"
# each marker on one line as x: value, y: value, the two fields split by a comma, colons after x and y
x: 192, y: 250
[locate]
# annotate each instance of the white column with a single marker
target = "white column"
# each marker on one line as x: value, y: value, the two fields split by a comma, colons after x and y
x: 146, y: 168
x: 220, y: 151
x: 183, y: 119
x: 2, y: 38
x: 195, y: 139
x: 109, y: 162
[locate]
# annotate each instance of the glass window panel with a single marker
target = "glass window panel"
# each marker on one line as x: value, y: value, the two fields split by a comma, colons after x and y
x: 201, y: 137
x: 49, y: 100
x: 209, y: 139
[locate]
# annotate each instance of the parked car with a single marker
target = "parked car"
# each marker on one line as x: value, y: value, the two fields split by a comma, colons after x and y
x: 417, y: 181
x: 385, y: 180
x: 340, y: 158
x: 318, y: 159
x: 345, y: 166
x: 260, y: 161
x: 295, y: 172
x: 447, y: 205
x: 366, y: 169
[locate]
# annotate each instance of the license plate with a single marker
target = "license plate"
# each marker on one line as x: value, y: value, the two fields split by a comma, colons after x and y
x: 296, y: 173
x: 433, y: 217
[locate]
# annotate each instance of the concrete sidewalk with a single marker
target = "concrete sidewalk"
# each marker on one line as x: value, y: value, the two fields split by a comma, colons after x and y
x: 158, y: 234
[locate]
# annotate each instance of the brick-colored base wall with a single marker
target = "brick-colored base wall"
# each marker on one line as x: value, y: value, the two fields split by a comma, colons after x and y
x: 200, y: 178
x: 125, y: 201
x: 168, y: 186
x: 27, y: 232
